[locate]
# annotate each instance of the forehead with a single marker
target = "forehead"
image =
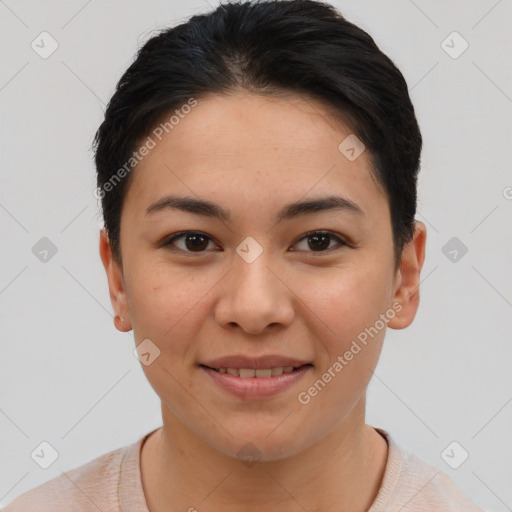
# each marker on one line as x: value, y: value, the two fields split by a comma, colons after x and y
x: 254, y: 144
x: 239, y: 125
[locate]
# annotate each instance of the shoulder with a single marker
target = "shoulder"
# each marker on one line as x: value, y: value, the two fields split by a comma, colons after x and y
x: 411, y: 485
x: 90, y: 487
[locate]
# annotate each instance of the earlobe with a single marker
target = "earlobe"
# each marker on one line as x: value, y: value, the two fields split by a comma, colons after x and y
x: 407, y: 293
x: 115, y: 284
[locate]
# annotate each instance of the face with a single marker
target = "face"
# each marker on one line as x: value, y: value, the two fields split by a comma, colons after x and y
x: 303, y: 285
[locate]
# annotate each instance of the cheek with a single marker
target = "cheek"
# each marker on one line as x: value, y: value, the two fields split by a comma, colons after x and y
x: 349, y: 306
x: 164, y: 307
x: 347, y: 302
x: 167, y: 309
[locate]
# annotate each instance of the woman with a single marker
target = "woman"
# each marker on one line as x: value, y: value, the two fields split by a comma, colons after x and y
x: 257, y: 168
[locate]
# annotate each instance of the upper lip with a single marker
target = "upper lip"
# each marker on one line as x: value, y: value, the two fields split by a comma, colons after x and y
x: 241, y: 361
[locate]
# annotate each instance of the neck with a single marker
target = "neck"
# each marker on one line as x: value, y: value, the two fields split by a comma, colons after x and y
x: 344, y: 469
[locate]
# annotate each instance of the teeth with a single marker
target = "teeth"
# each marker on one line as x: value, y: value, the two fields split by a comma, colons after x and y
x: 267, y: 372
x: 246, y: 373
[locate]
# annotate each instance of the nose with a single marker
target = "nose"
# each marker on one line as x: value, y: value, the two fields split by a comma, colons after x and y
x: 254, y: 297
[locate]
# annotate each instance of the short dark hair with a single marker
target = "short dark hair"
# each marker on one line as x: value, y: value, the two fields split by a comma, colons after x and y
x: 267, y: 47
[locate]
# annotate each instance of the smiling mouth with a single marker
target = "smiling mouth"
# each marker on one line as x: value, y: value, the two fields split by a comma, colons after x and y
x: 246, y: 373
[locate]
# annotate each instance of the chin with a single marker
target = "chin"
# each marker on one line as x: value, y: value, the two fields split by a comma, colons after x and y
x: 260, y: 445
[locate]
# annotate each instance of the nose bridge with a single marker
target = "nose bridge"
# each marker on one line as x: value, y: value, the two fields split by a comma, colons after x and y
x: 254, y: 275
x: 254, y: 296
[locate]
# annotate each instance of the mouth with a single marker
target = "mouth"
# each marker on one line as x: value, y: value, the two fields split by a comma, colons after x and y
x: 258, y: 373
x: 254, y: 383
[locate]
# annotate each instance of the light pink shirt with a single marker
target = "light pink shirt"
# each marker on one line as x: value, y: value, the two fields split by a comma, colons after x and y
x: 112, y: 483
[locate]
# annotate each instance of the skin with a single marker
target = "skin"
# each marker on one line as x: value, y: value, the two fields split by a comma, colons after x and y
x: 252, y: 155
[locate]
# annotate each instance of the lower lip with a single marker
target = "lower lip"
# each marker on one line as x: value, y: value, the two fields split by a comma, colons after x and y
x: 256, y: 387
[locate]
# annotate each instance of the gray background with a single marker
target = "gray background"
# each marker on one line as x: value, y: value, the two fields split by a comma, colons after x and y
x: 69, y: 378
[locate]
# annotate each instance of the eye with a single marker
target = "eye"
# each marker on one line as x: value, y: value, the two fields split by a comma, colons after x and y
x: 193, y: 241
x: 320, y: 240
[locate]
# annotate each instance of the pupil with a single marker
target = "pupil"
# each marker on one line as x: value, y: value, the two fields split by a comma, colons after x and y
x: 197, y: 241
x: 200, y: 242
x: 324, y: 237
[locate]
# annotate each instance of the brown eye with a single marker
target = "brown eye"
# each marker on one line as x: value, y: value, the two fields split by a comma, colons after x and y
x: 320, y: 241
x: 191, y: 241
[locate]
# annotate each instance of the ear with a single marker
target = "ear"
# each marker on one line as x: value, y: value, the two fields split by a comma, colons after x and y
x: 115, y: 284
x: 407, y: 291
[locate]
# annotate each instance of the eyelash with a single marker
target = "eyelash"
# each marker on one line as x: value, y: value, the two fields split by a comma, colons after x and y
x: 307, y: 235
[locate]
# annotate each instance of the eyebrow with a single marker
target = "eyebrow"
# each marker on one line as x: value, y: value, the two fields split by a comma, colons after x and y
x: 289, y: 211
